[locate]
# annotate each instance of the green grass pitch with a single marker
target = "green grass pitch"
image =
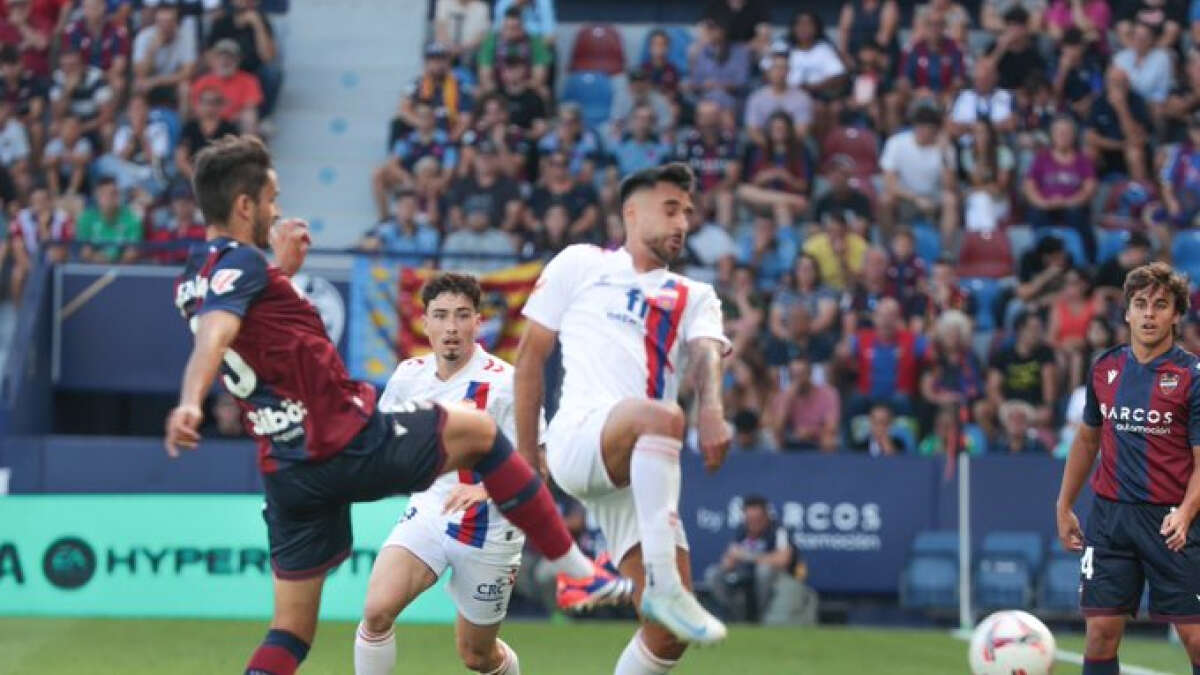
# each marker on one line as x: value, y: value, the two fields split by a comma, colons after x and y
x: 35, y: 646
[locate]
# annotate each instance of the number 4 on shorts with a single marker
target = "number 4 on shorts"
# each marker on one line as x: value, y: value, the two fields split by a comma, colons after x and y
x: 1085, y: 563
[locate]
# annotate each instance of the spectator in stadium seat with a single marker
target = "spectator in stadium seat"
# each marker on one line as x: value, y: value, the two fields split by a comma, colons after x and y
x: 201, y: 130
x: 639, y: 92
x: 239, y: 90
x: 954, y: 376
x: 1091, y: 18
x: 906, y: 271
x: 839, y: 253
x: 863, y: 296
x: 794, y: 335
x: 1060, y: 185
x: 81, y: 90
x: 429, y: 182
x: 882, y: 440
x: 1017, y: 436
x: 477, y: 248
x: 406, y: 235
x: 844, y: 199
x: 948, y: 433
x: 526, y: 108
x: 141, y: 149
x: 942, y: 294
x: 66, y: 157
x: 1147, y: 66
x: 864, y: 22
x: 985, y: 102
x: 550, y: 234
x: 813, y: 63
x: 1079, y: 70
x: 248, y: 26
x: 991, y: 14
x: 1041, y: 274
x: 461, y: 25
x: 748, y: 434
x: 1110, y: 277
x: 1025, y: 370
x: 583, y: 146
x: 747, y: 22
x: 805, y: 415
x: 109, y: 229
x: 768, y: 248
x: 1179, y: 184
x: 1118, y: 128
x: 537, y: 16
x: 956, y: 18
x: 663, y: 74
x: 871, y: 86
x: 30, y: 234
x: 885, y: 359
x: 25, y: 94
x: 1015, y: 53
x: 778, y: 171
x: 918, y: 178
x: 498, y: 194
x: 804, y: 287
x: 560, y: 187
x: 164, y: 58
x: 439, y: 87
x: 28, y: 34
x: 1070, y: 315
x: 713, y: 155
x: 178, y: 225
x: 931, y: 67
x: 103, y: 39
x: 514, y: 147
x: 640, y: 146
x: 424, y: 141
x: 775, y: 96
x: 751, y: 386
x: 512, y: 41
x: 985, y: 169
x: 14, y: 146
x: 720, y: 70
x: 1167, y: 17
x: 1184, y: 99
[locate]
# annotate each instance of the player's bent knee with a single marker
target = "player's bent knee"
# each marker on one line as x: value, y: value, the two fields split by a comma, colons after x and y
x: 665, y: 418
x: 468, y: 433
x: 377, y: 618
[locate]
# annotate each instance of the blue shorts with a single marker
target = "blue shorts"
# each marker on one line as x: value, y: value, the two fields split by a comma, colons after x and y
x: 1123, y: 550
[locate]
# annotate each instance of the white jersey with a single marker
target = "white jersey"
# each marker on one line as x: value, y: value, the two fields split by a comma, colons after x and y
x: 486, y: 383
x: 622, y: 332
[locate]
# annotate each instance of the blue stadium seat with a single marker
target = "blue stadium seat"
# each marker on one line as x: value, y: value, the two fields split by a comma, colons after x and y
x: 681, y: 39
x: 593, y: 92
x: 1058, y: 589
x: 1071, y: 239
x: 985, y: 291
x: 929, y: 243
x: 929, y: 582
x: 1109, y: 243
x: 936, y: 542
x: 1003, y: 581
x: 1026, y: 544
x: 1185, y: 253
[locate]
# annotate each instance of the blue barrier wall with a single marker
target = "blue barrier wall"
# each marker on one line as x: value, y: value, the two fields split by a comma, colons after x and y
x: 852, y: 516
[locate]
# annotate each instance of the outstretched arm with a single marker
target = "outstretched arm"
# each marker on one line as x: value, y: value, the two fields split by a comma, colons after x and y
x: 215, y: 331
x: 704, y: 357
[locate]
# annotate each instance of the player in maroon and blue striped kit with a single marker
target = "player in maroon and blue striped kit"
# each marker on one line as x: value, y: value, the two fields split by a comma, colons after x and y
x: 322, y: 443
x: 1143, y: 416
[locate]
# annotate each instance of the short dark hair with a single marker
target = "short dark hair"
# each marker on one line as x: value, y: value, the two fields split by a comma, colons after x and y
x: 1159, y: 275
x: 104, y: 181
x: 512, y: 13
x: 926, y: 114
x: 455, y: 284
x: 754, y: 500
x: 676, y: 173
x: 230, y: 167
x: 1017, y: 14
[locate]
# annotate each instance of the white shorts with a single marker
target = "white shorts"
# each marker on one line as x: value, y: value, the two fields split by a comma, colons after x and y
x: 483, y: 578
x: 576, y: 463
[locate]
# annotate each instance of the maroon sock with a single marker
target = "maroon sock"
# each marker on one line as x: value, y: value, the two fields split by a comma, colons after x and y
x: 279, y: 654
x: 523, y: 499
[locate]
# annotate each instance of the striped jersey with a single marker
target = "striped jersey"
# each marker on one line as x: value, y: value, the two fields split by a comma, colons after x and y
x: 622, y: 332
x: 485, y: 383
x: 1149, y: 420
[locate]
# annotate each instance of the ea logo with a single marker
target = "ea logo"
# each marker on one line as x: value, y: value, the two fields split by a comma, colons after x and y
x: 69, y: 563
x: 325, y: 297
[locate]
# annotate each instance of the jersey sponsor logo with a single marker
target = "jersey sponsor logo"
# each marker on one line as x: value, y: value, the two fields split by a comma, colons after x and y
x: 398, y: 429
x: 224, y: 280
x: 1168, y: 382
x: 497, y: 589
x: 271, y: 420
x: 1112, y: 375
x: 1140, y: 419
x: 192, y: 289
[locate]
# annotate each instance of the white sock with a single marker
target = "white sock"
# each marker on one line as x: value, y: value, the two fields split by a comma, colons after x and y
x: 511, y: 664
x: 654, y: 478
x: 374, y: 654
x: 574, y: 564
x: 637, y: 660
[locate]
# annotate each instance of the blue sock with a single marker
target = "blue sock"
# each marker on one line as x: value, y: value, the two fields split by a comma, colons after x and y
x: 279, y: 654
x: 1108, y: 667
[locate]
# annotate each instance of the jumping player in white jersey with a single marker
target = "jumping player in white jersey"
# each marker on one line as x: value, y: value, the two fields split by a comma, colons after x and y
x: 629, y: 329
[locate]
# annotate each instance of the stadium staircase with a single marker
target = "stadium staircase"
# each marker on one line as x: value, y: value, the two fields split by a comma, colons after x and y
x: 346, y: 63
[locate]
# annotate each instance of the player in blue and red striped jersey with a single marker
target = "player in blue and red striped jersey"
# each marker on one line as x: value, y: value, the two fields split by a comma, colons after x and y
x: 322, y: 443
x: 1143, y: 416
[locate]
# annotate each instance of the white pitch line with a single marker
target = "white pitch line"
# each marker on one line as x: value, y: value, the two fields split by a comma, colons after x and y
x: 1077, y: 659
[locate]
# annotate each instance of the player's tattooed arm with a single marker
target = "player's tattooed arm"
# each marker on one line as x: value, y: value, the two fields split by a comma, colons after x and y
x: 704, y: 357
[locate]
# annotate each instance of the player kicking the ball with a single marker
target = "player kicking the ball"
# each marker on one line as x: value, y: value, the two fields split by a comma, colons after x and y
x: 452, y: 524
x: 629, y: 329
x: 322, y: 444
x: 1143, y: 416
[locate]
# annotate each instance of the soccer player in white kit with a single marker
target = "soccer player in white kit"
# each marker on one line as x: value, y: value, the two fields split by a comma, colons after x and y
x: 629, y: 329
x: 451, y: 524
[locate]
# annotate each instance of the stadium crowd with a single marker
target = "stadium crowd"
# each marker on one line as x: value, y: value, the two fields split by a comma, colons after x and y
x: 103, y: 103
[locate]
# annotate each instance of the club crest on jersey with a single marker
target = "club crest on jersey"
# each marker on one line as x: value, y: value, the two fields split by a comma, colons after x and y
x: 222, y: 282
x: 1167, y: 382
x: 1112, y: 375
x: 665, y: 299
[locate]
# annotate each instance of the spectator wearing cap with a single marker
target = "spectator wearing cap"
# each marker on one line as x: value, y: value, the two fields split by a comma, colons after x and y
x: 202, y: 129
x: 176, y: 226
x: 66, y: 157
x: 560, y: 187
x: 103, y: 40
x: 582, y: 145
x: 779, y: 172
x: 1118, y: 128
x: 984, y: 103
x: 405, y: 234
x: 918, y: 178
x: 1147, y: 66
x: 1060, y: 185
x: 775, y: 96
x: 439, y: 87
x: 1091, y: 17
x: 424, y: 141
x: 805, y: 415
x: 839, y: 253
x: 844, y: 198
x: 1179, y: 182
x: 527, y: 108
x: 31, y: 233
x: 663, y: 74
x: 714, y: 156
x: 885, y: 360
x: 248, y: 26
x: 1184, y: 99
x: 141, y: 148
x: 1015, y: 53
x: 477, y: 248
x: 1017, y: 436
x: 486, y: 185
x: 513, y: 41
x: 991, y: 15
x: 720, y: 70
x: 28, y: 34
x: 640, y: 92
x: 25, y: 94
x: 1025, y: 369
x: 164, y: 58
x: 109, y: 230
x: 81, y: 90
x: 461, y: 25
x: 240, y: 91
x: 639, y: 146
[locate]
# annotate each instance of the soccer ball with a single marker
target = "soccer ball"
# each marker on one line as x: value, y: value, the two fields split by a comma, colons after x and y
x: 1011, y: 642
